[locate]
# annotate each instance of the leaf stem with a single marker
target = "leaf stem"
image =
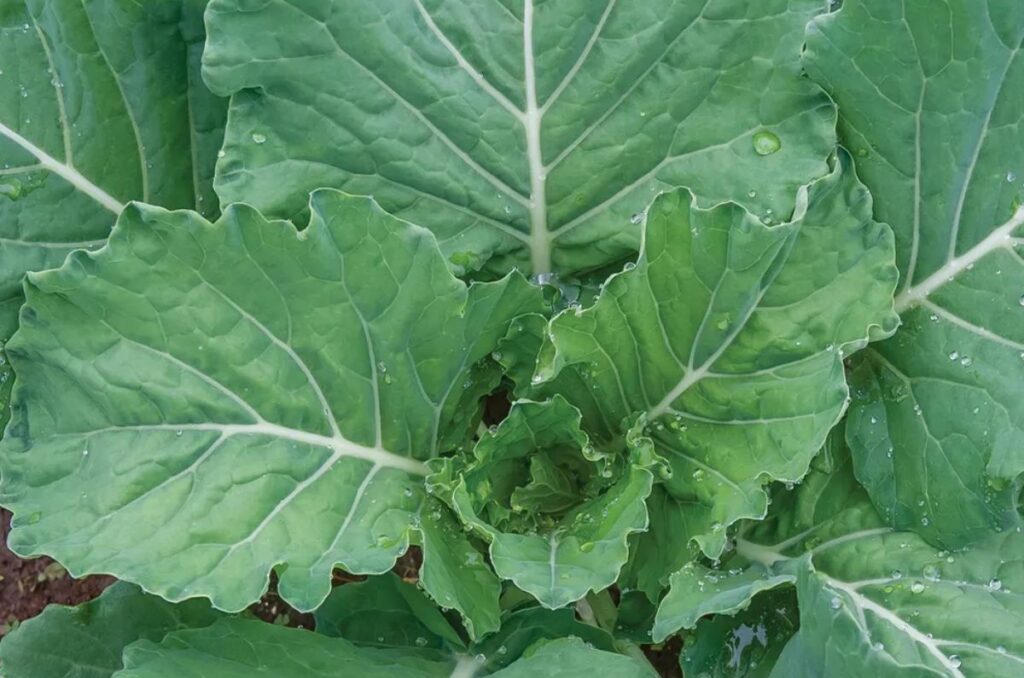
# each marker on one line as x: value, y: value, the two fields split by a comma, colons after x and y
x: 758, y: 553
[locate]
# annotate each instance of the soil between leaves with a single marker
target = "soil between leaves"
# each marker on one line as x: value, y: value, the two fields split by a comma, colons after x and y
x: 28, y: 586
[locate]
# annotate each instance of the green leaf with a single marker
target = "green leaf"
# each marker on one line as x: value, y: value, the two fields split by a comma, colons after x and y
x: 455, y: 573
x: 101, y: 102
x: 665, y: 547
x: 572, y: 658
x: 86, y: 641
x: 697, y: 591
x: 746, y: 645
x: 385, y: 612
x: 198, y: 403
x: 874, y: 601
x: 527, y: 134
x: 523, y: 628
x: 937, y: 131
x: 240, y: 648
x: 729, y: 335
x: 556, y: 512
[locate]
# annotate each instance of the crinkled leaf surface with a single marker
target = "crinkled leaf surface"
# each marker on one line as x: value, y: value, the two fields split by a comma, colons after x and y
x: 385, y: 612
x: 937, y: 426
x: 557, y: 512
x: 101, y: 102
x: 198, y: 403
x: 87, y: 641
x: 241, y: 648
x: 524, y: 133
x: 729, y: 335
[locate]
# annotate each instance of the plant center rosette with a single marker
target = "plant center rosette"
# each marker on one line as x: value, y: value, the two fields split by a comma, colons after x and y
x: 556, y: 511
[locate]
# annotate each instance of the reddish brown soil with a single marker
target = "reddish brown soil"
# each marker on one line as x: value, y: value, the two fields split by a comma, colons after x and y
x: 27, y: 586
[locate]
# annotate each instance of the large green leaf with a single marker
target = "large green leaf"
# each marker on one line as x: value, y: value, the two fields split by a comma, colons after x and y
x: 198, y: 403
x: 529, y: 133
x: 101, y: 102
x: 557, y: 512
x: 874, y: 601
x: 87, y: 641
x: 729, y: 334
x: 929, y: 96
x: 239, y: 648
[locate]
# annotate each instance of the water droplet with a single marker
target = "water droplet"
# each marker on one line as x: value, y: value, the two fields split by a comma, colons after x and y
x: 421, y: 642
x: 751, y: 194
x: 896, y: 574
x: 259, y: 138
x: 178, y: 433
x: 916, y: 587
x: 221, y: 153
x: 954, y: 661
x: 636, y: 218
x: 85, y: 453
x: 862, y: 152
x: 629, y: 266
x: 965, y: 361
x: 587, y: 547
x: 1000, y: 649
x: 1021, y: 300
x: 924, y: 521
x: 953, y: 355
x: 698, y: 475
x: 502, y: 650
x: 766, y: 143
x: 835, y: 603
x: 931, y: 573
x: 934, y: 318
x: 994, y: 584
x: 716, y: 527
x: 1011, y: 176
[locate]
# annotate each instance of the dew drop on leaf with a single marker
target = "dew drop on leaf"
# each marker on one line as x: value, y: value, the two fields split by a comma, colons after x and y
x: 766, y: 143
x: 259, y: 138
x: 916, y: 587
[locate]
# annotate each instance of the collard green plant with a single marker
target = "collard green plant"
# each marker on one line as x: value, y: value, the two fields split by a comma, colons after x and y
x: 564, y: 330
